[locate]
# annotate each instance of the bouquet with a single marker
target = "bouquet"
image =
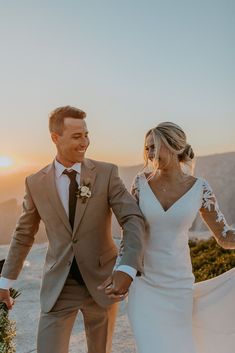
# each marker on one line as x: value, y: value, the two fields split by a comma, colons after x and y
x: 7, y: 326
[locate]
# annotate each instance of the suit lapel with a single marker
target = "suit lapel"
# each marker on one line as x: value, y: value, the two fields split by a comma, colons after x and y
x: 53, y: 196
x: 88, y: 175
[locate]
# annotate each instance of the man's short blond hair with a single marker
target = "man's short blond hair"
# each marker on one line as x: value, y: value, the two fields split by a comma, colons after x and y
x: 57, y: 116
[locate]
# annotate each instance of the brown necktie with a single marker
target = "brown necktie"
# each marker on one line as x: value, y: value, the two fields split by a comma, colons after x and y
x: 73, y: 188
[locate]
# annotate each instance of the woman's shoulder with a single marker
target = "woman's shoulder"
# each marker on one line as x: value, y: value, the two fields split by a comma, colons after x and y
x: 139, y: 175
x: 138, y: 179
x: 142, y: 177
x: 205, y: 187
x: 204, y: 182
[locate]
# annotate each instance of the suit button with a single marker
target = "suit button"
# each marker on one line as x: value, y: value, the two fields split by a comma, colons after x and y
x: 75, y: 240
x: 69, y: 263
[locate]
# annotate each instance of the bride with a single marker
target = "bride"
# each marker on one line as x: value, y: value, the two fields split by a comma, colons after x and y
x: 167, y: 312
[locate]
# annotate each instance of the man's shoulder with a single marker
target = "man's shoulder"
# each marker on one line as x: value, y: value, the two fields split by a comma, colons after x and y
x: 41, y: 172
x: 101, y: 165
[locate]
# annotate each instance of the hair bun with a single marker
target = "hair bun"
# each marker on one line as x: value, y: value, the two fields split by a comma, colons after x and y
x: 186, y: 154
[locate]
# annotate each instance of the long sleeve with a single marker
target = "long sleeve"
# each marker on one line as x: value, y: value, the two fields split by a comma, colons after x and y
x: 131, y: 221
x: 23, y: 238
x: 6, y: 283
x: 215, y: 220
x: 131, y: 271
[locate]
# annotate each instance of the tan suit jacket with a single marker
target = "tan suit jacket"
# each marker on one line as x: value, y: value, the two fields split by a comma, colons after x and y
x: 90, y: 241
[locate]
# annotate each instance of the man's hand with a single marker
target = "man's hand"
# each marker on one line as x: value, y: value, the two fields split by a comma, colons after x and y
x: 117, y: 285
x: 5, y: 298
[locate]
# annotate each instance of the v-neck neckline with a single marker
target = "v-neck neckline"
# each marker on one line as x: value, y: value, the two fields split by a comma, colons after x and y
x: 174, y: 203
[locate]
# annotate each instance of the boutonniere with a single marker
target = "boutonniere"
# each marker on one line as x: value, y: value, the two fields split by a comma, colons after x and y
x: 84, y: 191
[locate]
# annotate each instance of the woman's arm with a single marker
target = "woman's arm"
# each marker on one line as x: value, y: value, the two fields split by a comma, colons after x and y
x: 215, y: 220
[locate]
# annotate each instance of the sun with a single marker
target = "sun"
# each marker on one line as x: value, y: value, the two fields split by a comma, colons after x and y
x: 5, y: 162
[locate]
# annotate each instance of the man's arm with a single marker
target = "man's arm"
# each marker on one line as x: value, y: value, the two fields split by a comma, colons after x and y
x: 131, y: 221
x: 5, y: 285
x: 22, y: 241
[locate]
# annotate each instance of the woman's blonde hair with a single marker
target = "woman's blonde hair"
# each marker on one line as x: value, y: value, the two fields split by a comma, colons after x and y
x: 174, y: 138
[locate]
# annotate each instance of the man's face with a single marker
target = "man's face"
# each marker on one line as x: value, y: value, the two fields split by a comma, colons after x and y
x: 73, y: 142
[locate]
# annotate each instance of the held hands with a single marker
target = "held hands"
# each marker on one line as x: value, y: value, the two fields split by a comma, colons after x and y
x: 5, y: 298
x: 116, y: 286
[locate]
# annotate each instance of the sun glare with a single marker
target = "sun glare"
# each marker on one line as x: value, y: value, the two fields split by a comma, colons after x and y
x: 5, y: 162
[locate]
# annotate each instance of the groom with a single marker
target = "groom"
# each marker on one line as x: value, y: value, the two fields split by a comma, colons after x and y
x: 75, y: 197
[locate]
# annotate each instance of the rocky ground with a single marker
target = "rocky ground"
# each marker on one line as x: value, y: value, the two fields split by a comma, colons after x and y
x: 26, y: 311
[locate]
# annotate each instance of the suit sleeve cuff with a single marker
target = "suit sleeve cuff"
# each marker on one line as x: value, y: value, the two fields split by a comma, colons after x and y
x: 6, y: 283
x: 127, y: 269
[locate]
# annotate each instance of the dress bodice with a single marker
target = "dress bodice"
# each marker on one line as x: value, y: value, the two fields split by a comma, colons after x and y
x: 178, y: 217
x: 167, y: 253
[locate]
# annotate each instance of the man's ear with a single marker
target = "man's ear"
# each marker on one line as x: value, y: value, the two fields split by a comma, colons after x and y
x: 54, y: 137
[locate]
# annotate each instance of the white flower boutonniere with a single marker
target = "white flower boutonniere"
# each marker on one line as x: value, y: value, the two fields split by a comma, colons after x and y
x: 84, y: 192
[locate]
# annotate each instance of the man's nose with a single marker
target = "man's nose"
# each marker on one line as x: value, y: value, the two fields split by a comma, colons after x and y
x: 83, y: 142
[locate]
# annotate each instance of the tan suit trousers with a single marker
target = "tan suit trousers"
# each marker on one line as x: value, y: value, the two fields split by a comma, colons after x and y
x: 55, y: 327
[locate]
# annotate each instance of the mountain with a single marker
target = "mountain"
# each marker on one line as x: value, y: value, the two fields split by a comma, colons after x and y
x: 218, y: 170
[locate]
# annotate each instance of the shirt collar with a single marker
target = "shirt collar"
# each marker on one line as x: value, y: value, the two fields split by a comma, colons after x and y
x: 59, y: 168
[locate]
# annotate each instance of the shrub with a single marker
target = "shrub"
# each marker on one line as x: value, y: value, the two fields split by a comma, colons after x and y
x: 209, y: 259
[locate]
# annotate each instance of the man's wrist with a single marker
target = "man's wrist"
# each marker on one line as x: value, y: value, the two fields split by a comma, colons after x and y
x: 6, y: 283
x: 129, y: 270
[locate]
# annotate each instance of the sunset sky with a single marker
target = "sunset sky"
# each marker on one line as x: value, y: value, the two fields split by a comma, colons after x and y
x: 129, y: 64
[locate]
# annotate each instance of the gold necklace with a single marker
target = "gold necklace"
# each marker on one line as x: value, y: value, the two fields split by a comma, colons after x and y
x: 163, y: 188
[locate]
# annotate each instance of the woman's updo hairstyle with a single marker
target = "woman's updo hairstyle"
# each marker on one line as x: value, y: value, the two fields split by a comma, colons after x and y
x: 174, y: 138
x: 187, y: 155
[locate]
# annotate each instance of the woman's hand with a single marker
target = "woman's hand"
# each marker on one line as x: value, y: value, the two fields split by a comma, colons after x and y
x: 116, y: 286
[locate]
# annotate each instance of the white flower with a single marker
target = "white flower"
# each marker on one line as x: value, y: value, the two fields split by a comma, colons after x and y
x: 84, y: 192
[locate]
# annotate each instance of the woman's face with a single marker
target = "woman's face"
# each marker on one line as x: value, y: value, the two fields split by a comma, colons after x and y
x: 150, y: 148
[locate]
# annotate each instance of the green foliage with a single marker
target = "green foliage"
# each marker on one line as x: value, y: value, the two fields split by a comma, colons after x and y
x: 7, y: 327
x: 209, y: 259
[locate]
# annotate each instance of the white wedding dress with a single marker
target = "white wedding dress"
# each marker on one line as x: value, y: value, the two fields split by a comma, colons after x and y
x: 167, y: 311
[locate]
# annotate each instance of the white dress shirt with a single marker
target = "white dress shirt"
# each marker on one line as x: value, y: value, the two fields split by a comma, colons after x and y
x: 62, y: 184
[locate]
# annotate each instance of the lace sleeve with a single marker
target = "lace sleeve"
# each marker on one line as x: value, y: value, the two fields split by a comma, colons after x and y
x: 215, y: 220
